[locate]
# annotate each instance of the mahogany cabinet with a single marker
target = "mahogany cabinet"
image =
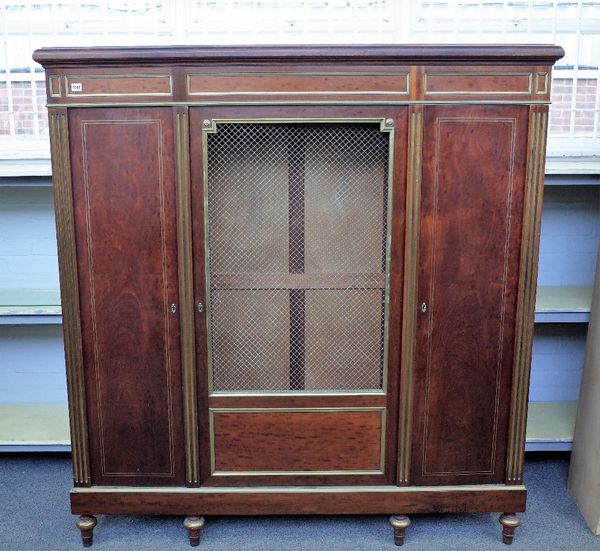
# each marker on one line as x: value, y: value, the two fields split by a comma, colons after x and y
x: 298, y: 280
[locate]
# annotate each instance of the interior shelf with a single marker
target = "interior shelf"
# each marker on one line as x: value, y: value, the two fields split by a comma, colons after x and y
x: 25, y: 181
x: 570, y: 179
x: 35, y: 165
x: 34, y: 427
x: 550, y: 426
x: 30, y: 306
x: 563, y: 304
x: 568, y: 165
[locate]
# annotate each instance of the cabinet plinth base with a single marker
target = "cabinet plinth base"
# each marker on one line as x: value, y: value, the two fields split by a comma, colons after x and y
x: 292, y: 500
x: 510, y: 522
x: 399, y: 523
x: 194, y: 527
x: 86, y: 525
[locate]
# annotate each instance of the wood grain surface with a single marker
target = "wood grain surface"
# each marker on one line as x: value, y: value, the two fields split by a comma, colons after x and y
x: 449, y: 500
x: 298, y: 440
x: 472, y: 193
x: 124, y: 195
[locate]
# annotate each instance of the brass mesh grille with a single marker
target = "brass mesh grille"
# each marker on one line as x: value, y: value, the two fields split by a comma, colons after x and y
x: 297, y: 246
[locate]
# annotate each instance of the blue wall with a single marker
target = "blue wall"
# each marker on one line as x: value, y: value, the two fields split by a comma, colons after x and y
x: 570, y: 233
x: 27, y: 237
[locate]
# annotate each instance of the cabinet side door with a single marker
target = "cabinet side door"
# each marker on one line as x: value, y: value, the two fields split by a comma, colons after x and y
x: 124, y: 196
x: 470, y: 232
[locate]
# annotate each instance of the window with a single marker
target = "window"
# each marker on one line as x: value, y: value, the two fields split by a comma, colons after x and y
x: 575, y: 25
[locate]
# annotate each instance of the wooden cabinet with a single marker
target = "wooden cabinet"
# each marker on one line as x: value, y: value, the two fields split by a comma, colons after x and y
x: 298, y: 280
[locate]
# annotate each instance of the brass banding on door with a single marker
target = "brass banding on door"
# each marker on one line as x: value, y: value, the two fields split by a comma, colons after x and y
x: 298, y: 242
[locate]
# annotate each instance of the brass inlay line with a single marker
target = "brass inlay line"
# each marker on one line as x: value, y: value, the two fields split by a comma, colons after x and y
x: 212, y: 126
x: 69, y: 283
x: 186, y: 299
x: 211, y: 422
x: 382, y: 440
x: 478, y: 92
x: 302, y: 73
x: 527, y: 291
x: 54, y: 80
x: 298, y: 281
x: 310, y: 93
x: 388, y: 256
x: 68, y: 78
x: 286, y: 394
x: 298, y: 473
x: 409, y: 314
x: 207, y: 300
x: 362, y: 489
x: 544, y: 89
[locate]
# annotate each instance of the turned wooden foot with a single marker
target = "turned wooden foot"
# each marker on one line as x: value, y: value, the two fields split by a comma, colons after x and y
x: 194, y: 527
x: 509, y: 522
x: 399, y: 523
x: 86, y: 525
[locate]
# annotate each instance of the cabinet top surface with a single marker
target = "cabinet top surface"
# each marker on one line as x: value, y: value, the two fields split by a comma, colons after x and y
x: 406, y: 54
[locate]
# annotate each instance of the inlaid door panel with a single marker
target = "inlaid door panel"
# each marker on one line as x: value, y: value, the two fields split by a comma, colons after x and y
x: 298, y: 440
x: 298, y: 240
x: 470, y: 229
x: 124, y: 195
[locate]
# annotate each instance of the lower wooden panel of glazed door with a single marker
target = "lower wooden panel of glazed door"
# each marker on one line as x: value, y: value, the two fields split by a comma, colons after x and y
x: 124, y: 201
x: 471, y: 211
x: 318, y: 440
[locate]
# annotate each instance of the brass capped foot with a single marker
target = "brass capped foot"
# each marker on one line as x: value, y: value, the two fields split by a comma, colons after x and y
x: 509, y: 522
x: 399, y: 523
x: 194, y: 527
x: 86, y: 525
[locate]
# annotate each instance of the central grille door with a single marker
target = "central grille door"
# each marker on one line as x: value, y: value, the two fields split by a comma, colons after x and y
x: 297, y: 241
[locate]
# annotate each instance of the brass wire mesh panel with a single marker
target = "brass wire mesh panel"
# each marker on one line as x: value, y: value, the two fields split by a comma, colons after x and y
x: 297, y: 246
